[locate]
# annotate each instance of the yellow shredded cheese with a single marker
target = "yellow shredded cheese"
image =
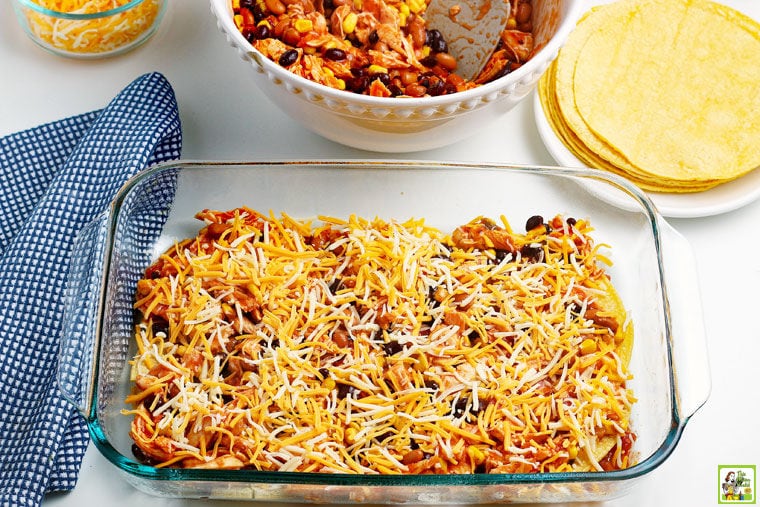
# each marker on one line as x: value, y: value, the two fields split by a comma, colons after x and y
x: 372, y: 346
x: 98, y: 35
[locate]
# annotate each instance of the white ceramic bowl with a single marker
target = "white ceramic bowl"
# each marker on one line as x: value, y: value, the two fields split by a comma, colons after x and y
x: 404, y: 124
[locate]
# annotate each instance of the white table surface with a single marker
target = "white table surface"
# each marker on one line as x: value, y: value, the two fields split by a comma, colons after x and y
x: 225, y: 117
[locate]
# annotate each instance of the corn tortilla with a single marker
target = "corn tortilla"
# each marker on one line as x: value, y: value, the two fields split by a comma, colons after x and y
x: 584, y: 153
x: 664, y: 92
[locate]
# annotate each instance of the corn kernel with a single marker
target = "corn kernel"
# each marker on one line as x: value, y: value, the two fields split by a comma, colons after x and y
x: 238, y: 21
x: 588, y: 346
x: 341, y: 84
x: 235, y: 4
x: 349, y: 22
x: 404, y: 9
x: 511, y: 23
x: 476, y: 455
x: 402, y: 19
x: 426, y: 51
x: 416, y: 6
x: 303, y: 25
x: 329, y: 383
x: 377, y: 69
x: 572, y: 451
x: 358, y: 5
x: 350, y: 435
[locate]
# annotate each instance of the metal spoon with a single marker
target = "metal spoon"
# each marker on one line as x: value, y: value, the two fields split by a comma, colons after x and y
x: 471, y: 29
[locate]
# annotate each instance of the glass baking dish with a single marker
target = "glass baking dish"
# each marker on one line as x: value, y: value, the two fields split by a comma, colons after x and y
x: 653, y: 270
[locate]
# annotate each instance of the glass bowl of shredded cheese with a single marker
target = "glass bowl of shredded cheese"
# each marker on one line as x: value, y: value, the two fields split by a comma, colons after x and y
x: 382, y: 332
x: 89, y: 28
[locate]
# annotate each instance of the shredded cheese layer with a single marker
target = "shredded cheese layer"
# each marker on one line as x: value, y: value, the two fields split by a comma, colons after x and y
x: 99, y: 35
x: 369, y: 346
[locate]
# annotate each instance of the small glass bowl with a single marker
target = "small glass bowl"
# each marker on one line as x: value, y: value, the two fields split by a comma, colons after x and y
x: 80, y: 34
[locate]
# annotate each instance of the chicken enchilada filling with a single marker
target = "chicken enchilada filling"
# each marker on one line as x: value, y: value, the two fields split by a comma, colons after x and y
x: 370, y: 346
x: 382, y: 48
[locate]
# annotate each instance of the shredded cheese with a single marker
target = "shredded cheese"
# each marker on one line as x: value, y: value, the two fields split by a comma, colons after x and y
x: 371, y: 346
x: 91, y: 36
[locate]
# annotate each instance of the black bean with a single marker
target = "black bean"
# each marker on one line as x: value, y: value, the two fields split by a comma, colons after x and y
x: 437, y: 87
x: 429, y: 62
x: 459, y: 408
x: 262, y: 32
x: 141, y: 456
x: 432, y: 36
x: 432, y: 302
x: 534, y: 222
x: 345, y: 390
x: 335, y: 54
x: 354, y: 41
x: 288, y: 58
x: 335, y: 285
x: 532, y: 253
x: 383, y: 436
x: 160, y: 326
x: 431, y: 384
x: 571, y: 221
x: 384, y: 77
x: 392, y: 347
x: 373, y: 37
x: 503, y: 72
x: 500, y: 255
x: 439, y: 46
x: 358, y: 84
x: 258, y: 13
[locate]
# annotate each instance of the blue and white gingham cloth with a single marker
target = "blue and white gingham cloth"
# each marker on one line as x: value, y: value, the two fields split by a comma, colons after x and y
x: 54, y: 179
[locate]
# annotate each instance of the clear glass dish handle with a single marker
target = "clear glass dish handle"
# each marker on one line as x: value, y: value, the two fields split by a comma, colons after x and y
x: 79, y: 337
x: 691, y: 367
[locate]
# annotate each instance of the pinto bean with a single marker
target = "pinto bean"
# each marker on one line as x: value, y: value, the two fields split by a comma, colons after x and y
x: 276, y: 7
x: 415, y: 90
x: 417, y: 32
x: 446, y: 61
x: 414, y: 456
x: 524, y: 11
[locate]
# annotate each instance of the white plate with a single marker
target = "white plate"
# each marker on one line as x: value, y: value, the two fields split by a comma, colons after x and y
x: 721, y: 199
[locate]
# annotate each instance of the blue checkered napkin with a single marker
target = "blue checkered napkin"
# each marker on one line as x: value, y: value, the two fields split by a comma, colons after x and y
x: 54, y: 179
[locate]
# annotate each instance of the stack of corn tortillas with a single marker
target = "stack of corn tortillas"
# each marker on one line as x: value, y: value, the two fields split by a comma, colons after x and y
x: 663, y: 92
